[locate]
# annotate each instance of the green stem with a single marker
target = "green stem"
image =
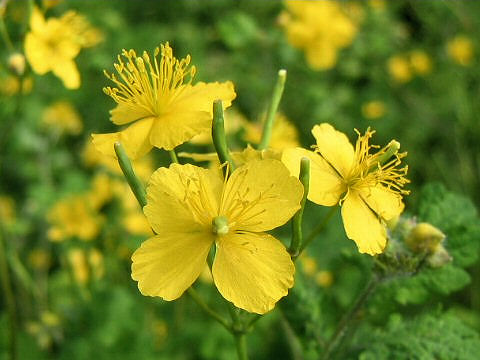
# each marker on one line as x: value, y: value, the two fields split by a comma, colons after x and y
x: 5, y: 36
x: 9, y: 299
x: 297, y: 235
x: 196, y: 297
x: 241, y: 345
x: 238, y: 331
x: 344, y: 324
x: 272, y: 109
x: 218, y: 135
x: 134, y: 182
x: 173, y: 156
x: 319, y: 228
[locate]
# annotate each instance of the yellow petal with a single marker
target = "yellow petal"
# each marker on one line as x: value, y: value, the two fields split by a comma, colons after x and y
x: 183, y: 198
x: 125, y: 113
x: 362, y: 225
x: 253, y: 271
x: 166, y: 265
x: 385, y: 203
x: 322, y: 55
x: 200, y: 97
x: 326, y: 186
x: 135, y: 140
x: 261, y: 195
x: 37, y: 54
x: 334, y: 147
x: 67, y: 71
x: 37, y: 21
x: 173, y: 129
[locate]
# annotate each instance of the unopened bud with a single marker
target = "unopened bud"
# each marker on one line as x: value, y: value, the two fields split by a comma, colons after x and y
x: 439, y: 257
x: 16, y: 63
x: 424, y: 237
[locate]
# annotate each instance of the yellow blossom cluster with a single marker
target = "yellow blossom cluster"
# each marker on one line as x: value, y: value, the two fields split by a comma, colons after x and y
x: 403, y: 68
x: 460, y: 49
x: 53, y: 44
x: 193, y: 210
x: 320, y: 28
x: 62, y: 118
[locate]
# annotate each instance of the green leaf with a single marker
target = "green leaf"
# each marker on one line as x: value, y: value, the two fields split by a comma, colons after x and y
x: 441, y: 337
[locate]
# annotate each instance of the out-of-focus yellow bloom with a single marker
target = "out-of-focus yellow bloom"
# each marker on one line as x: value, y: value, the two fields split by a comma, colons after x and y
x: 79, y: 265
x: 101, y: 191
x: 320, y: 28
x: 369, y: 187
x: 460, y: 49
x: 62, y: 117
x: 159, y: 101
x: 46, y: 330
x: 377, y: 4
x: 7, y: 210
x: 133, y: 218
x: 309, y: 265
x: 192, y: 208
x: 373, y: 109
x: 85, y: 264
x: 284, y: 133
x: 160, y: 331
x: 39, y: 259
x: 324, y: 278
x: 420, y: 62
x: 53, y: 44
x: 16, y: 63
x: 47, y: 4
x: 10, y: 85
x: 399, y: 68
x: 73, y: 217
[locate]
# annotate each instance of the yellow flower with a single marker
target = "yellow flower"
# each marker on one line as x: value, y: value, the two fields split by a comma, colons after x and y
x: 420, y: 62
x: 324, y: 278
x: 460, y: 49
x: 192, y: 208
x: 73, y: 217
x: 63, y: 117
x: 52, y: 45
x: 320, y: 28
x: 7, y: 210
x: 369, y: 187
x: 157, y: 97
x: 10, y: 85
x: 399, y: 69
x: 373, y: 109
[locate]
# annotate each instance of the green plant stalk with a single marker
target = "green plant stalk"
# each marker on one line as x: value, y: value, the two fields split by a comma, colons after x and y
x: 218, y: 135
x: 173, y: 156
x: 9, y: 300
x: 272, y: 109
x: 5, y: 36
x: 134, y: 182
x: 344, y: 324
x: 194, y: 295
x: 238, y: 332
x: 319, y: 228
x: 297, y: 235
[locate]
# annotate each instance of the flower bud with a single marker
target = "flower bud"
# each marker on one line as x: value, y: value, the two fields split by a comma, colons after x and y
x: 424, y: 237
x: 439, y: 257
x: 16, y: 63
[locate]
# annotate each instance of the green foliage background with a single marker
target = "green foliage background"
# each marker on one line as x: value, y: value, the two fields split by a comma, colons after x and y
x: 434, y: 314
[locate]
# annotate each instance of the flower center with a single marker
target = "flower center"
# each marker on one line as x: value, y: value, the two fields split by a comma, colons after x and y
x: 220, y: 225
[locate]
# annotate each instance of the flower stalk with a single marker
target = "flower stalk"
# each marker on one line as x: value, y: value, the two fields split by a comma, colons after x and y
x: 134, y: 182
x: 297, y: 235
x: 218, y: 135
x: 272, y: 109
